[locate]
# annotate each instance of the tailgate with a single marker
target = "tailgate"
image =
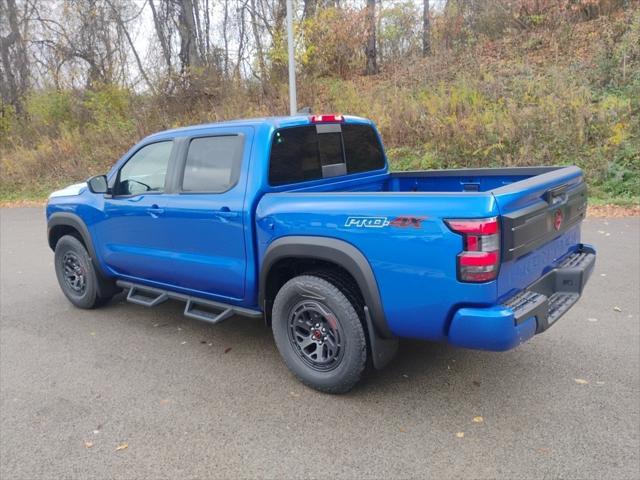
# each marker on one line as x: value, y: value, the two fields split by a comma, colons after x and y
x: 541, y: 219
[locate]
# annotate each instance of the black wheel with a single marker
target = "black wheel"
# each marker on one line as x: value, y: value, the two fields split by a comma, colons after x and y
x: 76, y: 275
x: 319, y: 334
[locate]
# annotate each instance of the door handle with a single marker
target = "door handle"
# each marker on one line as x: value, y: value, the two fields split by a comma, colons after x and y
x: 225, y: 212
x: 155, y: 211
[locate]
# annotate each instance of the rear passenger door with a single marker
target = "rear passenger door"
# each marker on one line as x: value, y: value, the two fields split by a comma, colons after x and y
x: 203, y: 214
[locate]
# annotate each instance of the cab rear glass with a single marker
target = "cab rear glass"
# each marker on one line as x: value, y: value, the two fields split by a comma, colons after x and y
x: 313, y: 152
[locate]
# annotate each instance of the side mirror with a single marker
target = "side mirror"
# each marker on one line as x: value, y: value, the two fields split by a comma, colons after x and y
x: 98, y: 184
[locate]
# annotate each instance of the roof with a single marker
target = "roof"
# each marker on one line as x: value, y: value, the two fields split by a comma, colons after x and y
x: 275, y: 122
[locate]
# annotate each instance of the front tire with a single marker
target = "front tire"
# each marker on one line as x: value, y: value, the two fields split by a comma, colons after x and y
x: 76, y: 274
x: 319, y: 334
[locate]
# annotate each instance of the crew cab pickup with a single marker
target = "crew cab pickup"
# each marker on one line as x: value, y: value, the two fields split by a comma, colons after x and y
x: 299, y: 221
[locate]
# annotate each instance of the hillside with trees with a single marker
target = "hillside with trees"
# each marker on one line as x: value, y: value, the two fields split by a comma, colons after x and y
x: 450, y: 83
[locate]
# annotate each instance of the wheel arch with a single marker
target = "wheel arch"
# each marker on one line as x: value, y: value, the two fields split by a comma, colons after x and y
x: 327, y: 251
x: 66, y: 223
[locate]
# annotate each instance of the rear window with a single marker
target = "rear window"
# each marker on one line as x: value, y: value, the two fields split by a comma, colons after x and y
x: 318, y: 151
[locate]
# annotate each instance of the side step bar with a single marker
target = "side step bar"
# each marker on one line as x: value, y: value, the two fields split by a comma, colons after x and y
x: 198, y: 308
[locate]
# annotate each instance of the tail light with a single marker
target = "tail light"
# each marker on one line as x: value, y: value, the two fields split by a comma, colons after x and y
x: 333, y: 118
x: 480, y: 260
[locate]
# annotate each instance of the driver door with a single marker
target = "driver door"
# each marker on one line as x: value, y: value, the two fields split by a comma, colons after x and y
x: 130, y: 236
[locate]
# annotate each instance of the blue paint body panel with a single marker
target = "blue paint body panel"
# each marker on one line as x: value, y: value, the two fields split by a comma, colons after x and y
x: 191, y: 248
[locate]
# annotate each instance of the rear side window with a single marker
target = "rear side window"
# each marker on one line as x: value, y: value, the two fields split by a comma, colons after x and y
x: 311, y: 152
x: 213, y: 164
x: 294, y: 156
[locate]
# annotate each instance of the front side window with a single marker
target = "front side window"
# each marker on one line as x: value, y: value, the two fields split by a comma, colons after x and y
x: 145, y: 171
x: 213, y: 164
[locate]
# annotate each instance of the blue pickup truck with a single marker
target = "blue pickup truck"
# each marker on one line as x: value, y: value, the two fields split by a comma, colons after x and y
x: 299, y: 221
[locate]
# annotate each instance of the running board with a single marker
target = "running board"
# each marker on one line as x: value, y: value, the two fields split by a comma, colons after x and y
x: 198, y: 308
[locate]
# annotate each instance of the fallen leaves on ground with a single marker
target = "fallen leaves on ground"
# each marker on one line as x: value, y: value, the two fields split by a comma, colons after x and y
x: 122, y: 446
x: 227, y: 350
x: 476, y: 383
x: 612, y: 211
x: 580, y: 381
x: 460, y: 434
x: 478, y: 419
x: 88, y: 444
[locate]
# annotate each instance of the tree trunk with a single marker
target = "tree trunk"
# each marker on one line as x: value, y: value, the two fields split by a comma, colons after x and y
x: 309, y: 8
x: 123, y: 27
x: 241, y: 42
x: 189, y: 56
x: 426, y: 29
x: 164, y: 44
x: 225, y: 37
x: 15, y: 68
x: 259, y: 53
x: 370, y: 47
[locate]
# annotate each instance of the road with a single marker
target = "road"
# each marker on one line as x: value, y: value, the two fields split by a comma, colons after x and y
x: 197, y: 401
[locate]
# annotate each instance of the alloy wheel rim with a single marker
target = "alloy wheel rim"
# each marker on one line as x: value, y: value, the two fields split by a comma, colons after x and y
x: 74, y: 273
x: 314, y: 333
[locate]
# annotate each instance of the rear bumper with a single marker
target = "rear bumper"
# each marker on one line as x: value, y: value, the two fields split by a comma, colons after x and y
x: 531, y: 311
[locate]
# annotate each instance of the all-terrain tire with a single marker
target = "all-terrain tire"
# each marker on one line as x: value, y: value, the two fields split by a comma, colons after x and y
x: 308, y: 303
x: 76, y: 274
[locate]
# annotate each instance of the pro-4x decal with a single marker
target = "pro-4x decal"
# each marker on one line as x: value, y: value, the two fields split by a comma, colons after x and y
x: 403, y: 221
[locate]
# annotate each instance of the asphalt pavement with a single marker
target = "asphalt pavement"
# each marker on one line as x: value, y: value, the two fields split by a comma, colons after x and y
x: 129, y: 392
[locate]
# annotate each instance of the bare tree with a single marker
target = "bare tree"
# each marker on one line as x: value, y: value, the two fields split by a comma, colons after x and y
x: 189, y: 55
x: 160, y: 25
x: 117, y: 15
x: 14, y: 74
x: 370, y: 47
x: 242, y: 40
x: 426, y: 29
x: 257, y: 37
x: 309, y: 9
x: 87, y: 35
x: 225, y: 36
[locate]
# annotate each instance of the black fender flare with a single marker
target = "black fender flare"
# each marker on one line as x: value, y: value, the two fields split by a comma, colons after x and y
x: 334, y: 251
x: 106, y: 286
x: 67, y: 219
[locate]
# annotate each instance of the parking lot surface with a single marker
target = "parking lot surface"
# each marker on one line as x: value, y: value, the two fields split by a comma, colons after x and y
x: 129, y: 392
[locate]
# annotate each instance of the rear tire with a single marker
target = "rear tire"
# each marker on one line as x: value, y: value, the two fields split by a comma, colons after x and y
x: 319, y: 334
x: 76, y: 274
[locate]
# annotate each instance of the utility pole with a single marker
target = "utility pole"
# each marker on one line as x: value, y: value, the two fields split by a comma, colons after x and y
x: 293, y: 102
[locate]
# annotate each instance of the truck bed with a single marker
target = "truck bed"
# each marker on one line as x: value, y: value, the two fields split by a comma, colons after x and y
x: 419, y: 263
x: 443, y: 181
